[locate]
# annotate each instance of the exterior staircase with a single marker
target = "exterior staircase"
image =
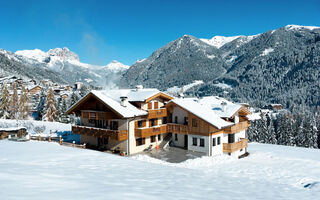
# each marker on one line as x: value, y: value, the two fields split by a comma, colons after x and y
x: 166, y: 140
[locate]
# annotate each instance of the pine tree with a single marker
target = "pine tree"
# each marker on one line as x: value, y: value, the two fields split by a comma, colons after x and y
x: 84, y: 90
x: 24, y: 104
x: 4, y: 108
x: 50, y: 109
x: 63, y: 110
x: 272, y: 133
x: 41, y: 104
x: 13, y: 105
x: 73, y: 99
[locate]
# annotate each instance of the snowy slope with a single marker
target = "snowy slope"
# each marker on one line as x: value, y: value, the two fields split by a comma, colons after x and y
x: 41, y: 170
x: 219, y: 41
x: 68, y: 65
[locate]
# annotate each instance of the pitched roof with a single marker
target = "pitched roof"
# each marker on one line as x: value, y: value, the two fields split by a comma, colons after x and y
x: 114, y: 103
x: 214, y: 103
x: 137, y: 95
x: 207, y: 114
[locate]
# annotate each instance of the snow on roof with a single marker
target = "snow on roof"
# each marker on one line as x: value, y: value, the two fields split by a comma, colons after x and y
x: 12, y: 128
x: 115, y: 104
x: 214, y: 103
x: 132, y: 94
x: 205, y: 113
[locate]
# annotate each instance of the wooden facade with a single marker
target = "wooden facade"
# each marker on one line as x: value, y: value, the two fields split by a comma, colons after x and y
x: 147, y: 132
x: 101, y: 133
x: 232, y: 147
x: 162, y: 112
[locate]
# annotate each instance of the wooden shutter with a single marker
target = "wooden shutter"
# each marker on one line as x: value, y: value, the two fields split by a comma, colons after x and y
x: 156, y: 105
x: 149, y: 105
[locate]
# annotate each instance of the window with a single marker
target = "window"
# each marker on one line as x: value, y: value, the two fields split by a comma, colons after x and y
x: 201, y: 142
x: 149, y: 105
x: 194, y: 123
x: 185, y: 120
x: 140, y: 124
x: 153, y: 122
x: 140, y: 141
x: 176, y: 137
x: 213, y: 141
x: 165, y: 120
x: 195, y: 141
x: 153, y: 138
x: 230, y: 138
x: 176, y: 119
x: 219, y: 141
x: 159, y: 137
x: 114, y: 125
x: 92, y: 121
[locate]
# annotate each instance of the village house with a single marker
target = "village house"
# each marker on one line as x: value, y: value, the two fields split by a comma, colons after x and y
x: 134, y: 120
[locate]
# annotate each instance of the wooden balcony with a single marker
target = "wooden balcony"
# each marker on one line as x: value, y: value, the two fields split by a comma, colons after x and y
x: 147, y: 132
x: 162, y: 112
x: 97, y: 115
x: 177, y: 128
x: 237, y: 127
x: 101, y: 132
x: 232, y: 147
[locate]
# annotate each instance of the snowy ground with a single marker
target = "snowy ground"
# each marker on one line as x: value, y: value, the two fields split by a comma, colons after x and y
x: 42, y: 170
x: 47, y: 128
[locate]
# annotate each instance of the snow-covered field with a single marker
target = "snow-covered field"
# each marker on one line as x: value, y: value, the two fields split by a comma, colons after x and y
x: 42, y: 170
x: 36, y: 128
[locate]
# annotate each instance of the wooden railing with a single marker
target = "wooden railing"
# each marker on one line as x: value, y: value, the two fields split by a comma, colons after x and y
x: 232, y: 147
x: 177, y: 128
x: 162, y: 112
x: 237, y: 127
x: 147, y: 132
x: 100, y: 132
x: 97, y: 115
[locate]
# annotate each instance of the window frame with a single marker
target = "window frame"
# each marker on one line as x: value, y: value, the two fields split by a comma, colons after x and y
x: 214, y: 142
x: 194, y: 141
x: 202, y: 142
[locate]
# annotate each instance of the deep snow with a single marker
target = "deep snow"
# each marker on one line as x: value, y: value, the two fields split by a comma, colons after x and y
x: 42, y: 170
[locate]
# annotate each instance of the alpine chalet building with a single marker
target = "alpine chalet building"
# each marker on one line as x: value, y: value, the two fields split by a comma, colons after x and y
x: 133, y: 120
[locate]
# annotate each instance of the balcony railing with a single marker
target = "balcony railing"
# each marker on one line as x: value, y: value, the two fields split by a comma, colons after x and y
x: 147, y: 132
x: 101, y: 132
x: 177, y: 128
x: 157, y: 113
x: 237, y: 127
x: 97, y: 115
x: 232, y: 147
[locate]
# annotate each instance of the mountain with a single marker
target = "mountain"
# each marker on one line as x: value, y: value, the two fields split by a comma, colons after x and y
x: 177, y: 63
x: 61, y: 63
x: 278, y: 66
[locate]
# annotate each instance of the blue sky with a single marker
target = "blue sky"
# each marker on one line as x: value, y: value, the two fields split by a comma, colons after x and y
x: 101, y: 31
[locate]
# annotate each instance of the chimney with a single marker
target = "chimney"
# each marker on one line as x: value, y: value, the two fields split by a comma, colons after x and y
x: 139, y: 87
x: 181, y: 95
x: 224, y: 106
x: 124, y: 101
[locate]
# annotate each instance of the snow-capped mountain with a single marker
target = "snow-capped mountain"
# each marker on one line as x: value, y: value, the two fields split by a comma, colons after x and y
x: 116, y: 66
x: 279, y: 66
x: 65, y: 64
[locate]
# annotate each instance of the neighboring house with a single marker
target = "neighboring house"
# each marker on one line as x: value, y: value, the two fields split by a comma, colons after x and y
x: 64, y: 96
x: 133, y: 120
x: 36, y: 89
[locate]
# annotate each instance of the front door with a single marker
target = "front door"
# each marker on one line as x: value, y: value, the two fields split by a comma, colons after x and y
x: 186, y: 141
